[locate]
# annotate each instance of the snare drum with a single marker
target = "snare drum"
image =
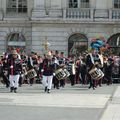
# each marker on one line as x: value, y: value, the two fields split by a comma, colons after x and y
x: 31, y: 74
x: 67, y: 74
x: 60, y: 74
x: 96, y: 74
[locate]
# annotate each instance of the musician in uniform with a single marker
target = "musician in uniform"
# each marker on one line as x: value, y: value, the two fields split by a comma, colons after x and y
x: 30, y: 66
x: 14, y: 69
x: 47, y: 70
x: 58, y: 62
x: 78, y: 67
x: 55, y: 66
x: 92, y: 61
x: 71, y: 69
x: 83, y: 69
x: 4, y: 72
x: 108, y: 65
x: 62, y: 65
x: 100, y: 66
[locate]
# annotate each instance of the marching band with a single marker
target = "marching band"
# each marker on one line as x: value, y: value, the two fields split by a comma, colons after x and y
x: 90, y: 68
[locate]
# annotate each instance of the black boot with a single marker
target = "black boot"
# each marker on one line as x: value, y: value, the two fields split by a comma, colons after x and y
x: 11, y: 89
x: 45, y: 89
x: 15, y: 90
x: 48, y: 91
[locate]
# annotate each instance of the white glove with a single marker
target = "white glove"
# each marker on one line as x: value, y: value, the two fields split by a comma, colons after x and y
x: 53, y: 74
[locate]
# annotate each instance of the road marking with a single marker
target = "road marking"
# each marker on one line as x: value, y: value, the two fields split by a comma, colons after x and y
x: 55, y: 100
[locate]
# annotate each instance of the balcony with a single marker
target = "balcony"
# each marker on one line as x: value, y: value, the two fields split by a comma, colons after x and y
x: 87, y: 14
x: 77, y: 14
x: 69, y: 14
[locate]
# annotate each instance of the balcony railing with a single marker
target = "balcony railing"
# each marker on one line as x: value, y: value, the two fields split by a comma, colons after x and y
x: 81, y: 14
x: 76, y: 13
x: 91, y: 14
x: 101, y: 14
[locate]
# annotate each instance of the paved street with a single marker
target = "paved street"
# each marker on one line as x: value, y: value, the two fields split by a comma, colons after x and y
x: 69, y: 103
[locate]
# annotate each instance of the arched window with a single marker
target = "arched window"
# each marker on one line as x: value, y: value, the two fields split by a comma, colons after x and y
x: 117, y: 4
x: 17, y: 6
x: 16, y: 37
x: 16, y: 40
x: 77, y: 43
x: 114, y: 42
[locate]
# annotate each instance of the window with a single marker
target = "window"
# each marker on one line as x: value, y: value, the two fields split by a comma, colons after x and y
x: 77, y: 43
x: 73, y: 3
x: 79, y: 4
x: 117, y: 4
x: 16, y: 37
x: 84, y: 4
x: 16, y: 40
x: 19, y: 6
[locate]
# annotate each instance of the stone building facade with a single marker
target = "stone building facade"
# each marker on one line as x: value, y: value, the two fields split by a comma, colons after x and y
x: 67, y: 24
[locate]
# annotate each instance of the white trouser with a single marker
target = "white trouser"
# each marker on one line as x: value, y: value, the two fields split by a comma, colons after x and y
x: 14, y: 79
x: 47, y: 81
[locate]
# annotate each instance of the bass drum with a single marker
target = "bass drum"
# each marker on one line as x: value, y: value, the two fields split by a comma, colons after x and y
x: 96, y: 74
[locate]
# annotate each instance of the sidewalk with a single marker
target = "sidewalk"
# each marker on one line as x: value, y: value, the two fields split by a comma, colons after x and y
x: 112, y: 111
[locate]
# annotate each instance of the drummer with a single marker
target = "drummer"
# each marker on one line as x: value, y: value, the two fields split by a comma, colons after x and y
x: 71, y: 69
x: 92, y: 60
x: 55, y: 63
x: 62, y: 62
x: 30, y: 66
